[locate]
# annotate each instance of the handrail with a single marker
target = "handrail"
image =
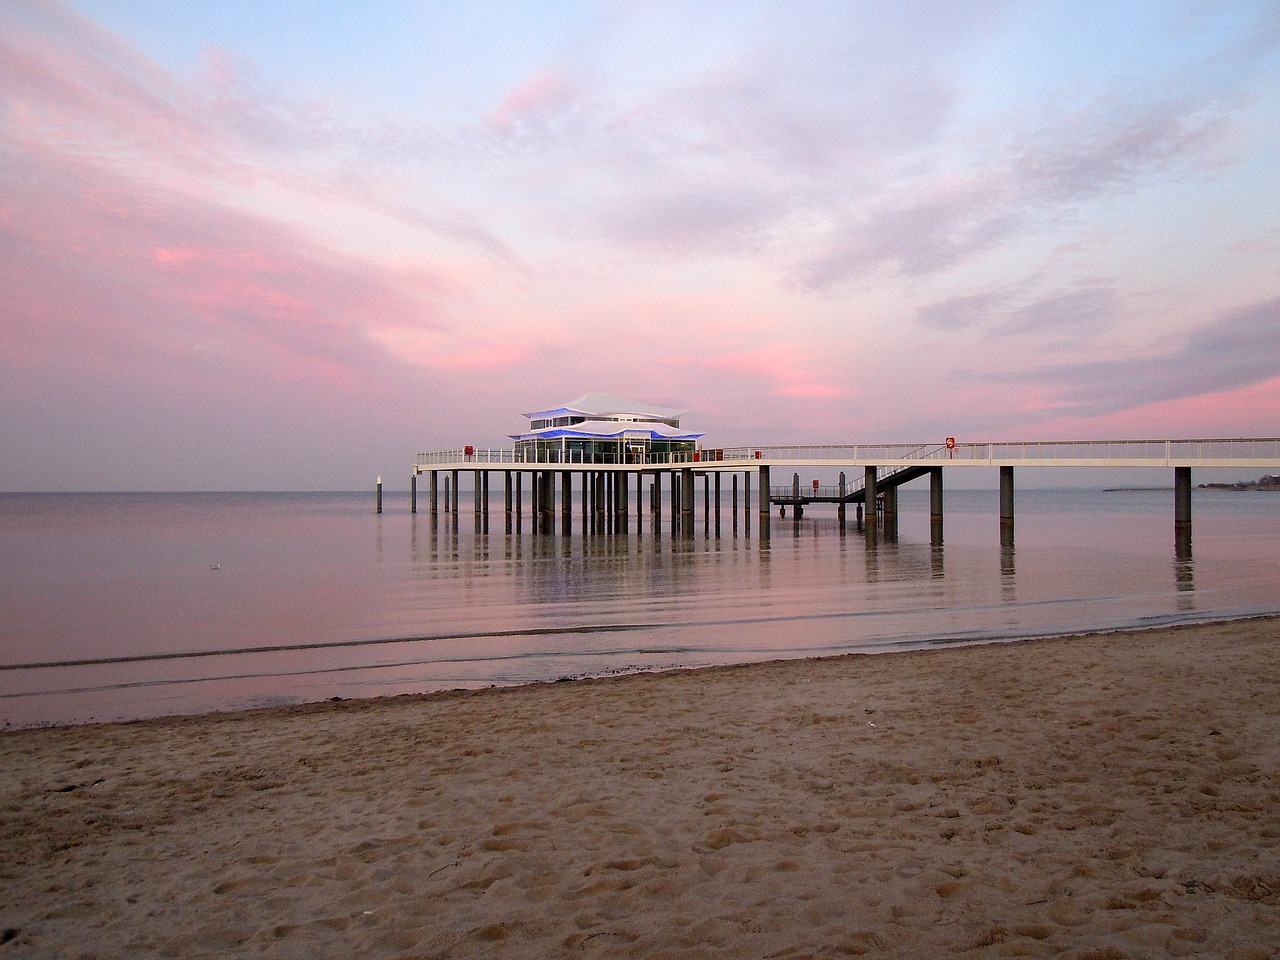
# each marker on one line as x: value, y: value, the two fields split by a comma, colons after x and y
x: 1056, y: 452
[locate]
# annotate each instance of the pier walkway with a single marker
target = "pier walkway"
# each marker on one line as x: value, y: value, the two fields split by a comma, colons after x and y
x: 605, y: 489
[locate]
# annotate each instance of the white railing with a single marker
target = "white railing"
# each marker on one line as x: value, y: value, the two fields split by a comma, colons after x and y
x: 1061, y: 452
x: 480, y: 456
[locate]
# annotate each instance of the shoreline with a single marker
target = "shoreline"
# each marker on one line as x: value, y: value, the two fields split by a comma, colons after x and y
x: 1045, y: 797
x: 887, y: 648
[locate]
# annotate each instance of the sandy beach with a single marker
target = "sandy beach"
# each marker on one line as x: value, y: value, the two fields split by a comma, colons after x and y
x: 1096, y: 797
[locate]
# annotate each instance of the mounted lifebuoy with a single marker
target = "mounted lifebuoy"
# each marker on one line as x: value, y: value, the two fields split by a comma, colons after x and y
x: 951, y: 443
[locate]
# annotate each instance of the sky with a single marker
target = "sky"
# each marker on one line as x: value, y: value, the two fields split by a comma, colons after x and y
x: 291, y: 245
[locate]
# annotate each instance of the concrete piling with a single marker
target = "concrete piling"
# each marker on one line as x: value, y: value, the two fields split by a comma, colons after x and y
x: 1006, y: 496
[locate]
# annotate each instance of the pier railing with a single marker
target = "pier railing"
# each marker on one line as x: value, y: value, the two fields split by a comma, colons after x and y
x: 1044, y: 453
x: 1244, y: 452
x: 477, y: 455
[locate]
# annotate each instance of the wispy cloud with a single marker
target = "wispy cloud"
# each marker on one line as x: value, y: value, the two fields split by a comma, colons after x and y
x: 1043, y: 175
x: 774, y: 211
x: 1240, y: 349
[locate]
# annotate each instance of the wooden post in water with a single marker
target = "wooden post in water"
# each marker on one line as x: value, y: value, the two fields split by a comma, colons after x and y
x: 869, y: 493
x: 706, y: 503
x: 717, y: 504
x: 891, y: 512
x: 764, y: 498
x: 547, y: 513
x: 566, y: 502
x: 1006, y: 497
x: 686, y: 502
x: 935, y: 504
x: 1182, y: 512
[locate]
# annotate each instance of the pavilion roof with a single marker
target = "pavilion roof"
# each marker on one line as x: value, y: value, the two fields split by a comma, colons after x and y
x: 609, y: 405
x: 610, y: 430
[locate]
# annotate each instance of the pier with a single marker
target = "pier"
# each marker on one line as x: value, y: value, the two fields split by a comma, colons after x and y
x: 616, y: 497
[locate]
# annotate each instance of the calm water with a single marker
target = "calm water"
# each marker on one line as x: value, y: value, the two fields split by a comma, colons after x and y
x: 129, y: 605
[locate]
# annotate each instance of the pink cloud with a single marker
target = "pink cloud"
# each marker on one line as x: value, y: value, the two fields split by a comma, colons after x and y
x: 784, y: 366
x: 1253, y: 410
x: 104, y: 269
x: 176, y: 257
x: 538, y: 98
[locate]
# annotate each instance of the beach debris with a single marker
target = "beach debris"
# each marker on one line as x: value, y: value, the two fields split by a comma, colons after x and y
x: 76, y: 786
x: 215, y: 566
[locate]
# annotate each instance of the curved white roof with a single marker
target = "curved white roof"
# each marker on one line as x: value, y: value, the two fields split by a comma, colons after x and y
x: 610, y: 430
x: 609, y: 405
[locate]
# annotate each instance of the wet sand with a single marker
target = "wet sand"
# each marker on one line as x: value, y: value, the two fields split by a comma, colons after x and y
x: 1095, y: 797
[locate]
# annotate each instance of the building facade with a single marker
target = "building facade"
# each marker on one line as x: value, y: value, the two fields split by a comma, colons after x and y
x: 605, y: 428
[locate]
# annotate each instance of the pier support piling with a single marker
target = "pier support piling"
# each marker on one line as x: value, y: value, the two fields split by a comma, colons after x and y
x: 869, y: 494
x: 935, y: 504
x: 706, y: 504
x: 1182, y: 496
x: 1006, y: 504
x: 1182, y: 510
x: 717, y: 499
x: 764, y: 494
x: 566, y: 502
x: 891, y: 512
x: 413, y: 492
x: 379, y: 488
x: 686, y: 502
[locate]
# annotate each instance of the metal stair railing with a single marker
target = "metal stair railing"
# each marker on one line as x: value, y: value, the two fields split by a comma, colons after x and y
x: 925, y: 452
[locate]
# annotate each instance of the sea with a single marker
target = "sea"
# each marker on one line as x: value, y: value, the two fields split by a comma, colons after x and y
x: 120, y: 606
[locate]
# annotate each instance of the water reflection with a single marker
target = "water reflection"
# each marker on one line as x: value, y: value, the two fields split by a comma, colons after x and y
x: 1008, y: 564
x: 312, y: 601
x: 1183, y: 568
